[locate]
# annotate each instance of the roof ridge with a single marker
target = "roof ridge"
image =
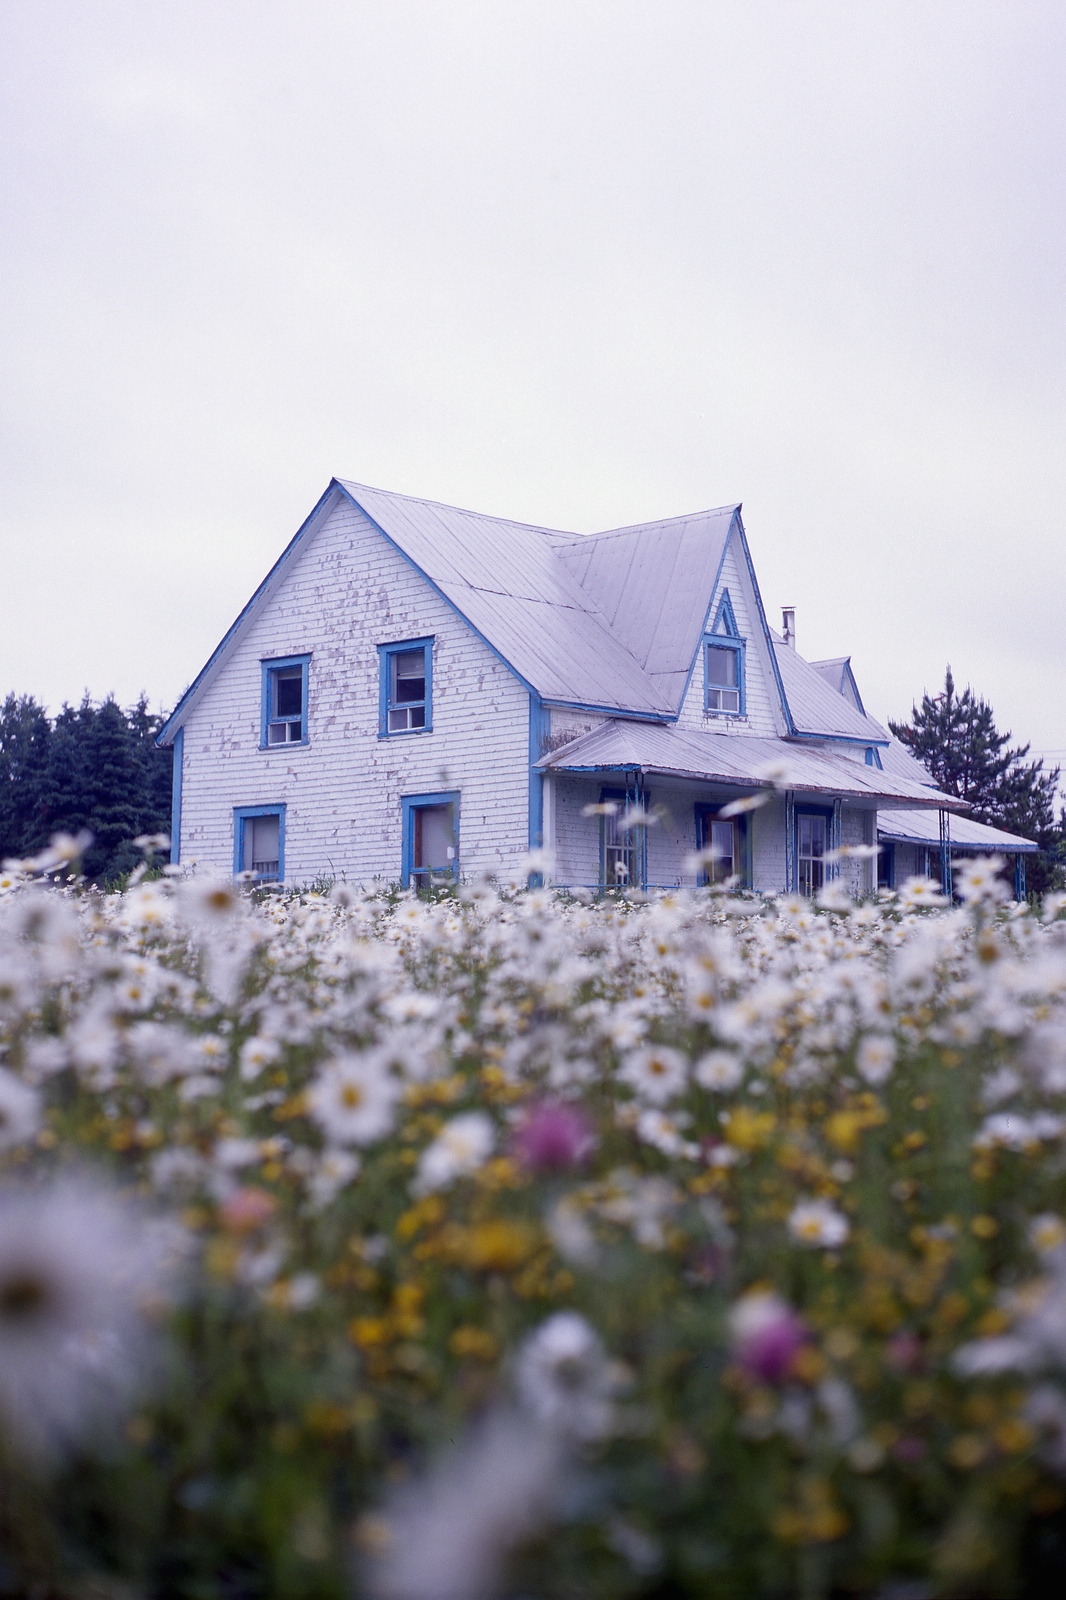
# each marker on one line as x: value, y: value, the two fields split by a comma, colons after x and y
x: 662, y: 522
x: 464, y: 511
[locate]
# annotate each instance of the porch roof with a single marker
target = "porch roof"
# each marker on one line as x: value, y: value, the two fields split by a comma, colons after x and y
x: 918, y: 827
x: 742, y: 762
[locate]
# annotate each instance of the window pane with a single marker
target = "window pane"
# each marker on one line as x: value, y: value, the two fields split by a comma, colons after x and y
x: 262, y: 843
x: 435, y: 838
x: 722, y: 667
x: 398, y: 721
x: 409, y: 676
x: 289, y: 692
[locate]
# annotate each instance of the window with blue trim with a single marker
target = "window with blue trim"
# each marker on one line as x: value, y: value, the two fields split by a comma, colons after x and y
x: 430, y: 838
x: 259, y: 842
x: 623, y: 846
x: 812, y: 841
x: 724, y: 676
x: 406, y: 691
x: 284, y: 709
x: 723, y: 663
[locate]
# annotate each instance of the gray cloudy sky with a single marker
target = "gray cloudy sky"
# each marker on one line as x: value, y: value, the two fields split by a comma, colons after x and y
x: 583, y: 262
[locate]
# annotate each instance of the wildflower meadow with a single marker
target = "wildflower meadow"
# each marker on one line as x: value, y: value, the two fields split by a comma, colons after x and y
x: 506, y: 1242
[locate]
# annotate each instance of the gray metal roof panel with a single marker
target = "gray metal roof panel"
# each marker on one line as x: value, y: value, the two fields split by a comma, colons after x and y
x: 654, y: 582
x: 816, y: 707
x: 897, y: 759
x: 922, y: 827
x: 506, y: 578
x: 738, y: 759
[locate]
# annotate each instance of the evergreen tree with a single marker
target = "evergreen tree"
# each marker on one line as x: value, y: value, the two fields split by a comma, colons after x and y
x: 96, y: 767
x: 955, y: 737
x: 25, y: 739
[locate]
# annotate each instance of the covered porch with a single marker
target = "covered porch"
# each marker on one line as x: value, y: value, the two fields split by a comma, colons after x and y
x: 805, y: 800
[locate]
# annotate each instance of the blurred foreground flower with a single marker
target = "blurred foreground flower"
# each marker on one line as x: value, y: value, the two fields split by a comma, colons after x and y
x: 766, y: 1333
x: 553, y: 1135
x: 82, y: 1276
x: 448, y: 1537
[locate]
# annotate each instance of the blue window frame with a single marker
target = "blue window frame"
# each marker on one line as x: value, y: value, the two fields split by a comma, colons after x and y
x: 723, y: 677
x: 886, y: 867
x: 813, y: 838
x: 730, y: 838
x: 283, y: 718
x: 259, y: 842
x: 430, y: 837
x: 623, y: 851
x: 405, y: 696
x: 723, y: 664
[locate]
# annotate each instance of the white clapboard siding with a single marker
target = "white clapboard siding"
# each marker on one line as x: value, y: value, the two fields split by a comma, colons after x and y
x: 761, y: 695
x: 348, y: 591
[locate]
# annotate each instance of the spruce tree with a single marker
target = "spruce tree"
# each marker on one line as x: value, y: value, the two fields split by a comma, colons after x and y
x: 25, y: 739
x: 955, y: 737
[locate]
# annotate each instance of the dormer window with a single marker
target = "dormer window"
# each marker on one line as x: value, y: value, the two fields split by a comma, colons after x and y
x: 723, y: 663
x: 284, y: 707
x: 724, y: 676
x: 406, y: 699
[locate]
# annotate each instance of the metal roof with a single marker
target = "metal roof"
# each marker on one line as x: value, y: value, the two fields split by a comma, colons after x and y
x: 654, y: 583
x: 738, y: 761
x: 817, y: 708
x: 839, y: 676
x: 921, y: 827
x: 507, y: 580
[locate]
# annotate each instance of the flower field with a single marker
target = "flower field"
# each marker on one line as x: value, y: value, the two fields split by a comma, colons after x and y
x: 509, y: 1243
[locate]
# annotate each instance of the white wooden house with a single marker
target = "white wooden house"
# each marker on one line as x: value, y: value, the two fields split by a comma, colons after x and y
x: 414, y: 689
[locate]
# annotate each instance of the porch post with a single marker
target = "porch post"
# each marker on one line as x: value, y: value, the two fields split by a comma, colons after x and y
x: 945, y: 853
x: 1019, y: 876
x: 790, y: 842
x: 836, y: 831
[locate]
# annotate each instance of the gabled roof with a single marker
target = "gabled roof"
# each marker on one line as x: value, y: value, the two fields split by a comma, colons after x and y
x: 508, y: 581
x: 738, y: 760
x: 654, y: 582
x: 818, y: 710
x: 839, y: 676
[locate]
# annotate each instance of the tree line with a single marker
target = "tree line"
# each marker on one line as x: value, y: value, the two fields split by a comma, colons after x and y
x: 94, y: 767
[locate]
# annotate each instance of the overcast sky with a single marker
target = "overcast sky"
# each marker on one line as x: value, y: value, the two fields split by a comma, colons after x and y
x: 572, y: 262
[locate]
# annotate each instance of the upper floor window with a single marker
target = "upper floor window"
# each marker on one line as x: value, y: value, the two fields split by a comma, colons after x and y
x: 284, y: 712
x: 406, y: 693
x: 723, y: 663
x: 724, y: 676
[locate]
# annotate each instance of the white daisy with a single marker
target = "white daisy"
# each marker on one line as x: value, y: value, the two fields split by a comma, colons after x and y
x: 875, y: 1058
x: 656, y: 1073
x: 563, y: 1378
x: 79, y: 1272
x: 354, y: 1099
x: 20, y: 1110
x: 462, y: 1146
x: 718, y: 1070
x: 818, y: 1224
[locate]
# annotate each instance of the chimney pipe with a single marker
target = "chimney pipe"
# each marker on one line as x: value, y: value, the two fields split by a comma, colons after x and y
x: 788, y: 625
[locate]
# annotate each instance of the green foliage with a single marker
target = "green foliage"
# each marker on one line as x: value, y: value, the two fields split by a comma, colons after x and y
x: 94, y: 767
x: 955, y: 736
